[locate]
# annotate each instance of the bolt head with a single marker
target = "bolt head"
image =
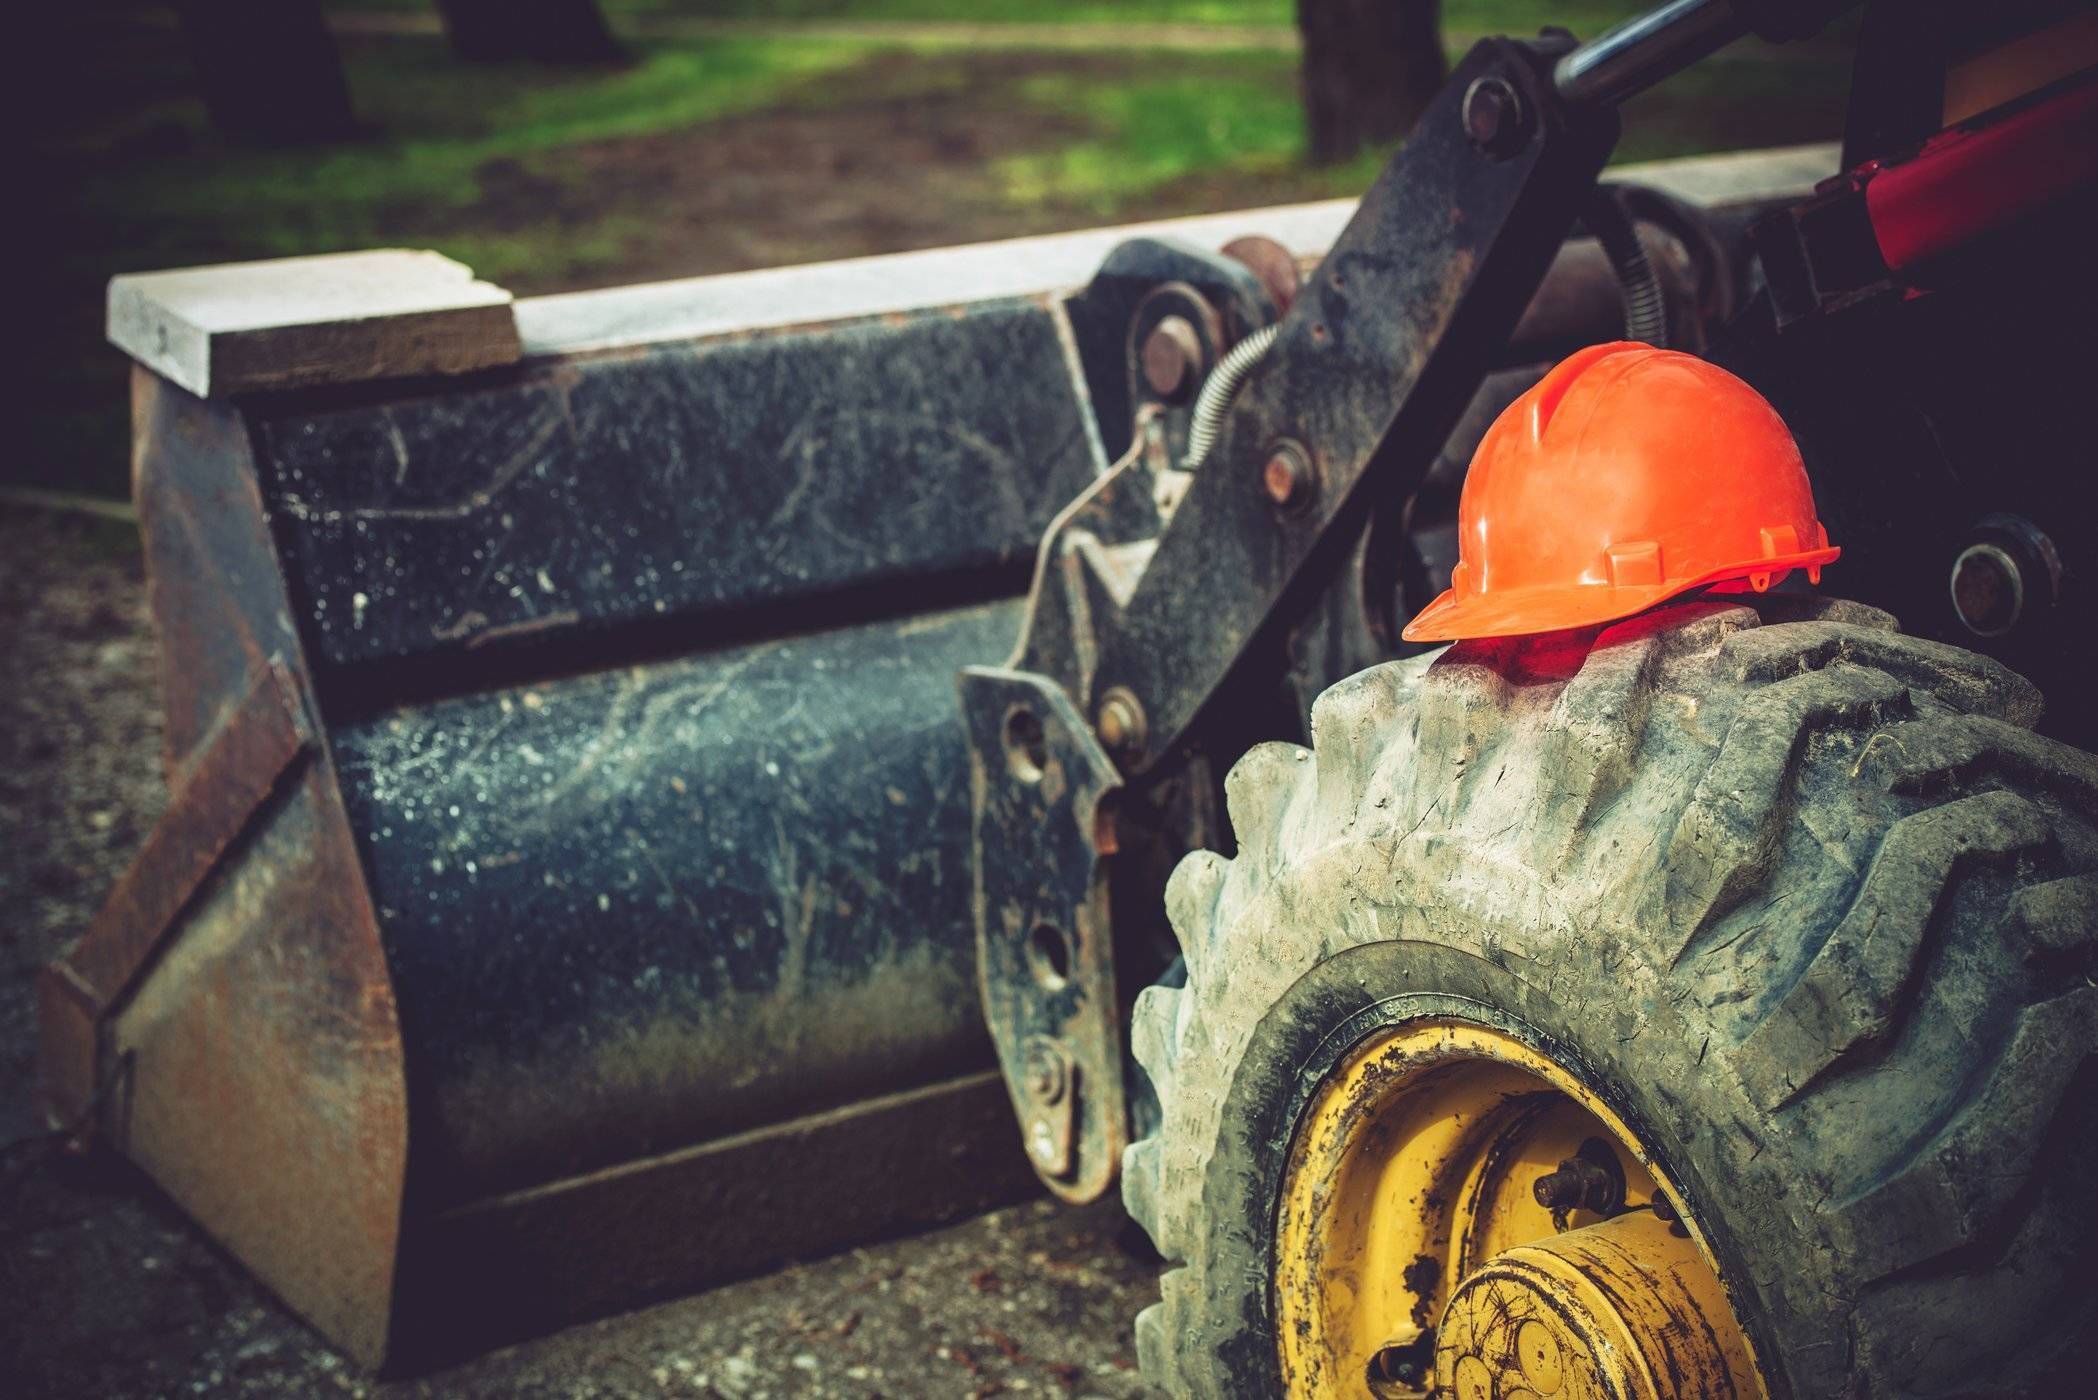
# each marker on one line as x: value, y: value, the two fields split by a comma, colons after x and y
x: 1114, y: 725
x: 1172, y: 358
x: 1120, y: 721
x: 1046, y: 1080
x: 1286, y: 477
x: 1495, y: 117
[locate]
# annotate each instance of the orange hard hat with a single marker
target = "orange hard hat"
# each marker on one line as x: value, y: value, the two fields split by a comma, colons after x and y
x: 1624, y: 477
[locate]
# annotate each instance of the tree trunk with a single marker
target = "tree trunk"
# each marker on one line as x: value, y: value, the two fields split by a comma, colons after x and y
x: 268, y: 70
x: 546, y: 31
x: 1370, y: 67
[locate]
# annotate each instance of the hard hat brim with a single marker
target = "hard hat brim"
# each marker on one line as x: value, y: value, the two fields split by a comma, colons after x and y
x: 1553, y: 608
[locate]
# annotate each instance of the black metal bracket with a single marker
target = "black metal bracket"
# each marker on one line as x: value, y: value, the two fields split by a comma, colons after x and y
x: 1162, y: 599
x: 1138, y: 284
x: 1368, y: 375
x: 1044, y: 937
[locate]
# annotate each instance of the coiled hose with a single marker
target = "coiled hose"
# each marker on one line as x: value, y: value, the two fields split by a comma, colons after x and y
x: 1219, y: 389
x: 1645, y: 302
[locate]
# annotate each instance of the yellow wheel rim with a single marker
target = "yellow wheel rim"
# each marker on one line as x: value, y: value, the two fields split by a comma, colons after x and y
x: 1414, y: 1255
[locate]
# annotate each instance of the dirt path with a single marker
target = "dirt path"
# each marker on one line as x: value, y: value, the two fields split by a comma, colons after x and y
x: 106, y: 1290
x: 1013, y: 34
x: 905, y: 155
x: 915, y: 33
x: 902, y: 32
x: 899, y: 157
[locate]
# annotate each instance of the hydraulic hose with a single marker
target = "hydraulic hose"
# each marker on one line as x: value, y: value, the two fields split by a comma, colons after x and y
x: 1645, y: 301
x: 1219, y: 389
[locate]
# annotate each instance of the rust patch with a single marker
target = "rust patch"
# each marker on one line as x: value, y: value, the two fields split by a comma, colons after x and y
x: 235, y: 973
x: 1421, y: 1278
x: 241, y: 764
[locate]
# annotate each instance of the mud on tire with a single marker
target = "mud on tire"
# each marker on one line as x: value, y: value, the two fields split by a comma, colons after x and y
x: 1807, y: 897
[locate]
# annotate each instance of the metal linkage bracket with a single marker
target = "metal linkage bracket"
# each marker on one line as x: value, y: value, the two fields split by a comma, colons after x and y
x: 1043, y: 791
x: 1370, y: 371
x: 1159, y: 589
x: 1044, y: 798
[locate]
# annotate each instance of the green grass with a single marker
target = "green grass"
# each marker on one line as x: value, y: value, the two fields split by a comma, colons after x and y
x: 436, y: 125
x: 157, y: 188
x: 1459, y: 16
x: 1240, y: 118
x: 456, y: 153
x: 151, y: 187
x: 1151, y: 132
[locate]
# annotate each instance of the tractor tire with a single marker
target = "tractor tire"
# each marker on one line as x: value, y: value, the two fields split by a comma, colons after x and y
x: 1803, y: 899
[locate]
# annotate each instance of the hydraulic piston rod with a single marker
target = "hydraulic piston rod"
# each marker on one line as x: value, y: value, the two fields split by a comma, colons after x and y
x: 1624, y: 62
x: 1645, y: 49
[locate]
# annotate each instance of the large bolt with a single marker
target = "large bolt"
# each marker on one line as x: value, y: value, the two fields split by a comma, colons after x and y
x: 1286, y: 477
x: 1172, y: 358
x: 1046, y: 1079
x: 1120, y: 722
x: 1591, y: 1180
x: 1495, y: 117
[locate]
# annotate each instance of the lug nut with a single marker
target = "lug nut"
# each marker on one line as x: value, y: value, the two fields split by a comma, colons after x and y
x: 1172, y: 358
x: 1495, y: 117
x: 1590, y: 1180
x: 1287, y: 478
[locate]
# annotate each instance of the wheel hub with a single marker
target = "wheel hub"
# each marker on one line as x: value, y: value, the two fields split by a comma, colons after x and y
x: 1626, y: 1308
x: 1462, y: 1216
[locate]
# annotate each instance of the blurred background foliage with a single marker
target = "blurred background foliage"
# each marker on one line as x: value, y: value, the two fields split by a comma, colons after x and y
x: 736, y: 133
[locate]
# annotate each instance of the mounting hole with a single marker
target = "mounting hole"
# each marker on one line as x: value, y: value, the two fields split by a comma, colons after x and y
x: 1988, y: 590
x: 1049, y: 955
x: 1026, y: 746
x: 1403, y: 1368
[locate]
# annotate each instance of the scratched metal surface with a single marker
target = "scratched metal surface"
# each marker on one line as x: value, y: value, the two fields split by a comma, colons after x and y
x: 645, y: 877
x: 681, y: 481
x: 638, y: 909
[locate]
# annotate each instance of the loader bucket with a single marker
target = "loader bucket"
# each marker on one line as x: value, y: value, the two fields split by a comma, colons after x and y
x: 565, y: 892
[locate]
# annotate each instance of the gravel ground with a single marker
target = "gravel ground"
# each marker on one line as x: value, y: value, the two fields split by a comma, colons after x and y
x: 106, y: 1290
